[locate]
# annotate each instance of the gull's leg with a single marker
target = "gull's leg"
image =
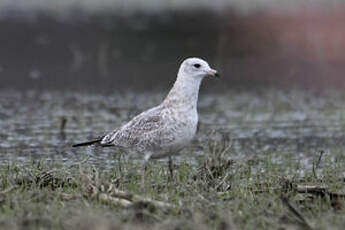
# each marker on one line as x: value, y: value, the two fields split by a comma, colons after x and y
x: 171, y: 168
x: 146, y: 160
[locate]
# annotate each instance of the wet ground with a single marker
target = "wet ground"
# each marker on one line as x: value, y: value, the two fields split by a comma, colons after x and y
x: 289, y: 126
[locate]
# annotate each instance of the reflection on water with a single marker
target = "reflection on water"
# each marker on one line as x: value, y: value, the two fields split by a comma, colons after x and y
x: 289, y: 126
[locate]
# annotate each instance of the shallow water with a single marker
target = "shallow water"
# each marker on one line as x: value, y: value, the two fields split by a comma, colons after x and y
x: 288, y: 126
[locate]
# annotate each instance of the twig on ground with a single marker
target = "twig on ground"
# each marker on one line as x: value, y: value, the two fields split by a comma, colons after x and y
x: 92, y: 187
x: 294, y: 210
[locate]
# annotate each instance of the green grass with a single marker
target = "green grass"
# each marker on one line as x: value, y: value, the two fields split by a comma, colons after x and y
x: 218, y: 194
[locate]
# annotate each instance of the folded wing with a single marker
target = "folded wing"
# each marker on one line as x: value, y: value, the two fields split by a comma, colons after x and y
x: 143, y: 132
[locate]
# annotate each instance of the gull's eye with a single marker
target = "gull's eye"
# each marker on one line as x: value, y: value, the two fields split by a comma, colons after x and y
x: 197, y: 66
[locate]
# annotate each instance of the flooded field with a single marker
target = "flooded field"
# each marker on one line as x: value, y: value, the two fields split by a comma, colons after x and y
x: 261, y: 160
x: 290, y: 126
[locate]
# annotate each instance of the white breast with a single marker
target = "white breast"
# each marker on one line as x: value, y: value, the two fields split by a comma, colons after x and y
x: 185, y: 129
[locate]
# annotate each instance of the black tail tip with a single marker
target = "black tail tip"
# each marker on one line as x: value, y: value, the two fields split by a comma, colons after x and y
x: 96, y: 141
x: 78, y: 145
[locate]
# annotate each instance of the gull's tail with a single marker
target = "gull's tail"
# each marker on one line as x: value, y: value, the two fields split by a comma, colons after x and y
x: 96, y: 141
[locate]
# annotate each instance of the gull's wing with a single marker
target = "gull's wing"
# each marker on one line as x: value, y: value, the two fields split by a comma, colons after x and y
x: 131, y: 133
x: 143, y: 132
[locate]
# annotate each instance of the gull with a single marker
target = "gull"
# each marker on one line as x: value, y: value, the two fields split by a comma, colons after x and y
x: 164, y: 130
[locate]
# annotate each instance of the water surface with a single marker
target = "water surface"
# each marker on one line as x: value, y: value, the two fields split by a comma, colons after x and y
x: 288, y: 126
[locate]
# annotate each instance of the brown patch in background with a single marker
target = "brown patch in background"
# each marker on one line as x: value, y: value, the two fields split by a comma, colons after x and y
x: 301, y: 47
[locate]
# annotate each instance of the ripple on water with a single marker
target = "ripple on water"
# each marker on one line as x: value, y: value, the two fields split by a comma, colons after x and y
x: 257, y: 125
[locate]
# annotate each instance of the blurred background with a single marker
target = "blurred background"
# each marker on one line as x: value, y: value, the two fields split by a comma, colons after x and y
x: 108, y: 45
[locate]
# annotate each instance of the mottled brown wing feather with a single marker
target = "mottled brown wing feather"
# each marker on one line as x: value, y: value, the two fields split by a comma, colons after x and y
x: 139, y: 129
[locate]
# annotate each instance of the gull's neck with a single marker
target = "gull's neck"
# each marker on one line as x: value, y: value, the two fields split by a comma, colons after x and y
x: 184, y: 93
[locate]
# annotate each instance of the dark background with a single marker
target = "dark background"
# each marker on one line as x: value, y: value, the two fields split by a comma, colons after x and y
x: 102, y: 50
